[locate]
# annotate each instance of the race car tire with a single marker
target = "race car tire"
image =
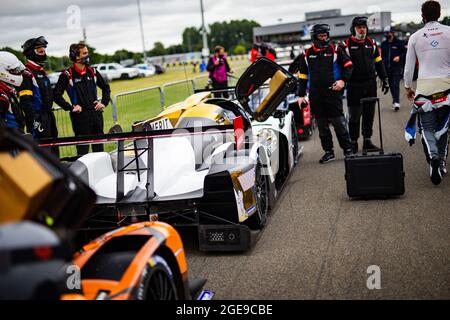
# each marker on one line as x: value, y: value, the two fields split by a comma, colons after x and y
x: 259, y: 218
x: 157, y: 282
x: 294, y: 139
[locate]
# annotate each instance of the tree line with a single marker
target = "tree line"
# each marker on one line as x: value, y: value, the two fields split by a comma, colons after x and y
x: 236, y: 36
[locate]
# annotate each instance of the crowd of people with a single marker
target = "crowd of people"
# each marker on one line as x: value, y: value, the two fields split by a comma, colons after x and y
x: 219, y: 68
x: 324, y: 70
x: 262, y: 50
x: 26, y: 96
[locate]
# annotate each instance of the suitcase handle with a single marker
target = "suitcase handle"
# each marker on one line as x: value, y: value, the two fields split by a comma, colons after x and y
x: 375, y: 99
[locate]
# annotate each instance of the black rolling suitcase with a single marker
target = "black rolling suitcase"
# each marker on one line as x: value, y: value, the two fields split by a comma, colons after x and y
x: 377, y: 174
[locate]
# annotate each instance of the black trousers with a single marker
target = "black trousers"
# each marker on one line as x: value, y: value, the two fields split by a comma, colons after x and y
x: 340, y: 128
x: 218, y: 86
x: 394, y: 77
x: 355, y: 92
x: 87, y: 123
x: 47, y: 128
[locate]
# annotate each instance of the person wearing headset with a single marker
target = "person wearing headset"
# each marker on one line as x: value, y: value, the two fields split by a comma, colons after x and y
x: 81, y: 82
x: 367, y: 65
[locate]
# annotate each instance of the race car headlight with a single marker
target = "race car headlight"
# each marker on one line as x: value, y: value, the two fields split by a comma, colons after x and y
x: 267, y: 135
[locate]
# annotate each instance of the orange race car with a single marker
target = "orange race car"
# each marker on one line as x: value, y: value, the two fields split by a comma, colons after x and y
x: 42, y: 205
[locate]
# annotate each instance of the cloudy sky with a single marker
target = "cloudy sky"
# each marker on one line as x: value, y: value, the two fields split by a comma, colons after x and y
x: 113, y: 24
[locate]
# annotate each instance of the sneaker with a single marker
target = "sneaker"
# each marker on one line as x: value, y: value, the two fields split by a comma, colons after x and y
x: 327, y: 157
x: 435, y: 173
x: 369, y: 146
x: 396, y: 106
x: 355, y: 147
x: 348, y: 152
x: 442, y: 168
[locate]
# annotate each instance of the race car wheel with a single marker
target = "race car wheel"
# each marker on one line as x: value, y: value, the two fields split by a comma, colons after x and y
x: 157, y: 281
x: 259, y: 218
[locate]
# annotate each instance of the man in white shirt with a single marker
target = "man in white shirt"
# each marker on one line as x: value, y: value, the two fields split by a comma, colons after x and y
x: 431, y: 47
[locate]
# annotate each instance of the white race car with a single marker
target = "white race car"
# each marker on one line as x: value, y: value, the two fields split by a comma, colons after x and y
x: 206, y: 162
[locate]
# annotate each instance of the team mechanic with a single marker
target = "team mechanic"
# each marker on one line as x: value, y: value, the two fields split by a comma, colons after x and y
x: 367, y: 63
x: 393, y: 53
x: 326, y: 69
x: 35, y: 93
x: 81, y: 81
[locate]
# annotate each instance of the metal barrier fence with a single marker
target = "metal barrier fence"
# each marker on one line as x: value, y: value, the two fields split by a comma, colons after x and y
x: 136, y: 105
x: 201, y: 82
x: 64, y: 125
x: 175, y: 64
x: 129, y: 107
x: 177, y: 91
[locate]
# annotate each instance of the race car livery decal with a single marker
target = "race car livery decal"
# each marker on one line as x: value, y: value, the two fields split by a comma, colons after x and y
x: 245, y: 198
x: 247, y: 180
x: 161, y: 124
x: 242, y: 213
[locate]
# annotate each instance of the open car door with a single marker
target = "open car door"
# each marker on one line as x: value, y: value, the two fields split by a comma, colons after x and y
x: 281, y: 83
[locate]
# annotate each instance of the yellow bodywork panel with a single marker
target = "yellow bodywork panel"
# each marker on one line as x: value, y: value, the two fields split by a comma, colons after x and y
x: 177, y: 110
x: 203, y: 110
x: 195, y: 99
x: 277, y: 81
x: 24, y: 185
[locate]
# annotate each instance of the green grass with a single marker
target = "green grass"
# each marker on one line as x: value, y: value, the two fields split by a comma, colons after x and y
x: 145, y: 104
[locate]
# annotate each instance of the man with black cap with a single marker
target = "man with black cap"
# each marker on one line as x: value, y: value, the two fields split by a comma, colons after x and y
x: 393, y: 52
x: 81, y: 82
x: 36, y: 96
x: 367, y: 64
x: 326, y: 69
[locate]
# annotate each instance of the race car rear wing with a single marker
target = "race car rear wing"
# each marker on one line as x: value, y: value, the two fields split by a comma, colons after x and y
x: 122, y: 148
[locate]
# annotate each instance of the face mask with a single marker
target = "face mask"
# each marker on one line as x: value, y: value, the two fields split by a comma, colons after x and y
x: 321, y: 43
x: 40, y: 59
x: 86, y: 59
x: 360, y: 36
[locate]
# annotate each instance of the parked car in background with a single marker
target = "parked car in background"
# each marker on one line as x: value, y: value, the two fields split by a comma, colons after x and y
x: 145, y: 70
x: 114, y: 71
x: 159, y: 69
